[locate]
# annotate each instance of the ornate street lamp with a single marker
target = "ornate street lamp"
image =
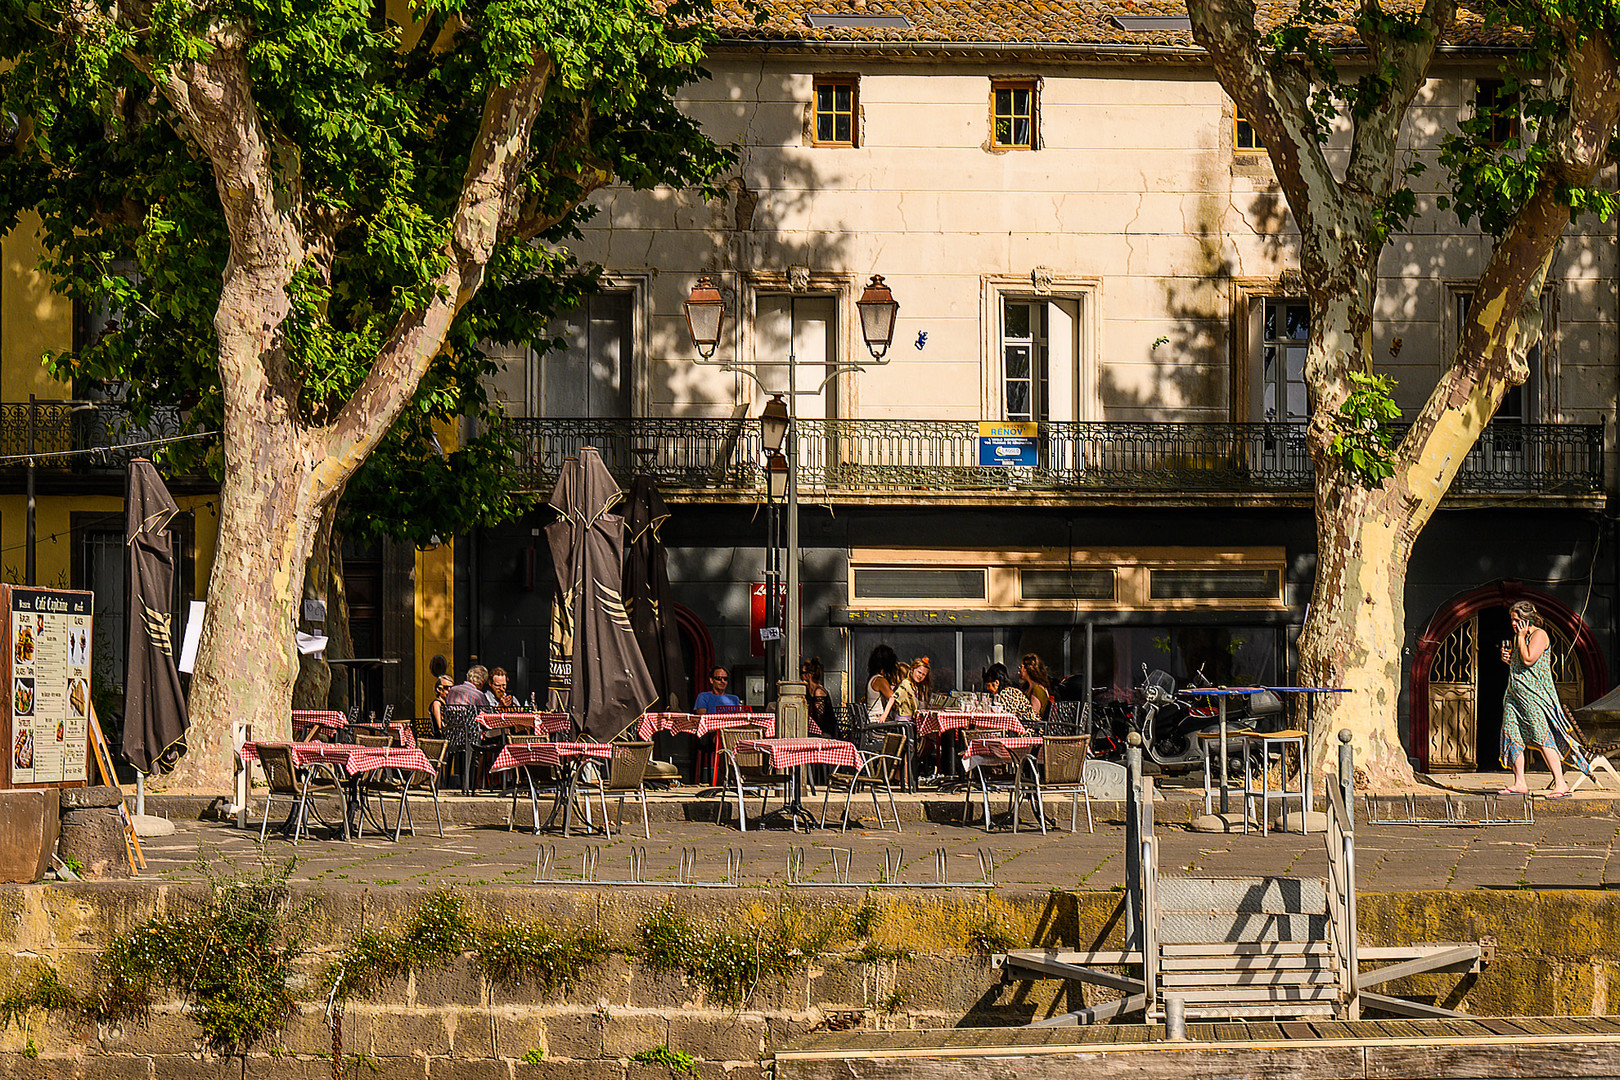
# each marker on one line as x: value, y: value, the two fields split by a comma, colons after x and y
x: 878, y: 310
x: 773, y: 425
x: 705, y: 315
x: 776, y: 477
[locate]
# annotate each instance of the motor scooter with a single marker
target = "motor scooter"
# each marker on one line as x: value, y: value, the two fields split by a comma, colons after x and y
x: 1171, y: 723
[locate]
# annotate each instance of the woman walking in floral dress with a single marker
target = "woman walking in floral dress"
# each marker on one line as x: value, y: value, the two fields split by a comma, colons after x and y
x: 1531, y: 712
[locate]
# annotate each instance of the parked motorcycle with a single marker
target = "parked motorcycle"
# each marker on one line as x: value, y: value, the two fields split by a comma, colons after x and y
x: 1171, y: 722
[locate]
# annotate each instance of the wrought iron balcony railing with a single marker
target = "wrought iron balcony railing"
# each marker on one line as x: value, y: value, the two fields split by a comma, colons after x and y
x: 876, y: 457
x: 60, y: 426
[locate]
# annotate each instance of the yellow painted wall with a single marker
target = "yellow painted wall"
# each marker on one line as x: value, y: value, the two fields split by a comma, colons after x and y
x: 32, y: 317
x: 435, y: 615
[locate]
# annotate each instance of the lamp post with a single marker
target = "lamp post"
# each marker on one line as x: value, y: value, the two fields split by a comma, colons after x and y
x: 705, y: 319
x: 33, y: 427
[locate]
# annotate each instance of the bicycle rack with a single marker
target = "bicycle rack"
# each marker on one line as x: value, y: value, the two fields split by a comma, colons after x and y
x: 590, y: 860
x: 889, y: 872
x: 1404, y: 810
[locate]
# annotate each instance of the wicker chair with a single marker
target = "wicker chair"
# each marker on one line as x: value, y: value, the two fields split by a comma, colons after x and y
x: 1063, y: 761
x: 749, y: 773
x: 875, y: 771
x: 284, y: 783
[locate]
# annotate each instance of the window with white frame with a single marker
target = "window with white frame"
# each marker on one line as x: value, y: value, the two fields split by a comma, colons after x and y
x: 590, y: 375
x: 1038, y: 345
x: 1285, y: 330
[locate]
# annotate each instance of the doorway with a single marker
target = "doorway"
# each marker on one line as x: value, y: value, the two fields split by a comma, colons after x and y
x: 1458, y: 677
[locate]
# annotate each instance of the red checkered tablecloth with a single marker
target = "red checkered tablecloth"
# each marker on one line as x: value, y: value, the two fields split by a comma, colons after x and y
x: 352, y: 759
x: 547, y: 723
x: 1011, y: 748
x: 935, y: 721
x: 319, y: 718
x: 705, y: 724
x: 517, y: 755
x: 791, y: 753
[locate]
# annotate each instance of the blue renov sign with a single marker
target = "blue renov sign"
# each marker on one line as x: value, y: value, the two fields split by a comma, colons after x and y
x: 1009, y: 443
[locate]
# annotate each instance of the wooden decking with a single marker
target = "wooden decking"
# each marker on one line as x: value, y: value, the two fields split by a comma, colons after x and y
x: 1487, y: 1047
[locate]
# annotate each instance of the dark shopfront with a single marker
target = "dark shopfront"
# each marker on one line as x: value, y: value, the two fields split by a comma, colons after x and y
x: 1174, y: 588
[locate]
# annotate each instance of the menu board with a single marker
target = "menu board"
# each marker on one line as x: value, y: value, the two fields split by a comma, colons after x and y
x: 49, y: 702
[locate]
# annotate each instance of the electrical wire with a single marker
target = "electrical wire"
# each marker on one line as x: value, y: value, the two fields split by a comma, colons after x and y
x: 93, y: 451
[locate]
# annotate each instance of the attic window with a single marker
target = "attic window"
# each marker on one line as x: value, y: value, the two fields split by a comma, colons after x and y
x: 821, y: 20
x: 1152, y: 24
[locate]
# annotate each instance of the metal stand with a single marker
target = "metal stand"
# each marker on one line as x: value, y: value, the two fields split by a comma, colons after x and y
x: 889, y: 873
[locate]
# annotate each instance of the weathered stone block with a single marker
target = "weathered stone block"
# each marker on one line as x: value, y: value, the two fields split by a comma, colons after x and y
x: 518, y: 1031
x: 573, y: 1035
x: 627, y: 1034
x: 95, y: 797
x: 457, y: 983
x: 161, y: 1033
x: 471, y: 1034
x: 728, y: 1038
x: 402, y: 1034
x: 568, y: 1070
x: 461, y: 1069
x: 28, y: 827
x: 184, y: 1067
x: 94, y: 841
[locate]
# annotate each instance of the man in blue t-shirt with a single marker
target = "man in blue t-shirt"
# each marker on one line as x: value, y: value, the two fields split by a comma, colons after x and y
x: 715, y: 698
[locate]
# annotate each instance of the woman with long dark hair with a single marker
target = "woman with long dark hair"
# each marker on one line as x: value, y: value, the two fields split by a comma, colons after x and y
x: 882, y: 673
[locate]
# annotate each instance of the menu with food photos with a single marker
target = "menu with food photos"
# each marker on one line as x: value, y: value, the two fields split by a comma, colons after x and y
x: 49, y: 702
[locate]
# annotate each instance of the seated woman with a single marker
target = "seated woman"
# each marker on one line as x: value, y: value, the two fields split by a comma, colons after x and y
x: 1005, y: 696
x: 882, y: 673
x: 813, y: 675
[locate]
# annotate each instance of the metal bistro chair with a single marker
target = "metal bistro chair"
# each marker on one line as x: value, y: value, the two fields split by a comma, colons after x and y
x: 467, y: 738
x: 284, y: 783
x: 1063, y: 759
x: 749, y: 773
x: 875, y: 771
x: 869, y: 738
x: 540, y: 779
x: 401, y: 782
x: 996, y: 777
x: 625, y: 779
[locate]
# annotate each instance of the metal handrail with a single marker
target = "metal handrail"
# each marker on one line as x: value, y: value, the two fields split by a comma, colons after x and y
x: 855, y: 457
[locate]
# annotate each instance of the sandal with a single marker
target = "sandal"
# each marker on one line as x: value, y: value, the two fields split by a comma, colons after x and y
x: 1560, y: 794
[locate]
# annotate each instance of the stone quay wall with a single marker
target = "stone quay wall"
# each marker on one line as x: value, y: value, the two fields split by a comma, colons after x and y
x: 899, y: 958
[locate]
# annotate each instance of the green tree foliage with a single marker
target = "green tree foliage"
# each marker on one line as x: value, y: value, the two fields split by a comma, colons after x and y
x: 374, y: 122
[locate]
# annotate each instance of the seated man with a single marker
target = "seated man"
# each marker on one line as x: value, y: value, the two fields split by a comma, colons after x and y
x: 497, y: 693
x: 470, y: 691
x: 715, y: 698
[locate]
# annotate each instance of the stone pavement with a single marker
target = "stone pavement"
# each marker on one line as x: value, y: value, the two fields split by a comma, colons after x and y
x: 1571, y: 846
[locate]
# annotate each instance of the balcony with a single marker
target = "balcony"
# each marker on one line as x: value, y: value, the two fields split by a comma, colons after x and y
x: 873, y: 459
x: 102, y: 439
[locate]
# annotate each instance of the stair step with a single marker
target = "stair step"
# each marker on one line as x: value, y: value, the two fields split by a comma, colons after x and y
x: 1249, y: 948
x: 1192, y: 927
x: 1232, y: 962
x: 1267, y: 895
x: 1170, y: 980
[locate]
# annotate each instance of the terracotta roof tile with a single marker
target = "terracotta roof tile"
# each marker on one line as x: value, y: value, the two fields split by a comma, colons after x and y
x: 1014, y: 23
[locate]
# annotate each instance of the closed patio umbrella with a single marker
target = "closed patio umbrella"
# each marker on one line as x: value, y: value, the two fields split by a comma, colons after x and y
x: 155, y: 719
x: 646, y: 592
x: 609, y: 686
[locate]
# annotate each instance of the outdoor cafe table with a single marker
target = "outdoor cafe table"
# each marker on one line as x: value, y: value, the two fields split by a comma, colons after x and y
x: 565, y: 757
x: 703, y: 725
x: 789, y: 755
x: 1015, y: 749
x: 938, y: 721
x: 1222, y: 693
x: 545, y: 723
x: 323, y: 718
x: 349, y: 762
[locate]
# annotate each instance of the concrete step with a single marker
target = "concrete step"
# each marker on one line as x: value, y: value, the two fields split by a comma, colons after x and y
x: 1262, y: 895
x: 1192, y: 927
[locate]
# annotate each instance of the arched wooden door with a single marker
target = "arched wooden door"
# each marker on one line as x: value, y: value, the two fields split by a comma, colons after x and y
x: 1453, y: 700
x: 1444, y: 703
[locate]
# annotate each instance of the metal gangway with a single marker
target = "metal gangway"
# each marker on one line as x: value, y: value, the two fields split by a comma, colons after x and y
x: 1240, y: 948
